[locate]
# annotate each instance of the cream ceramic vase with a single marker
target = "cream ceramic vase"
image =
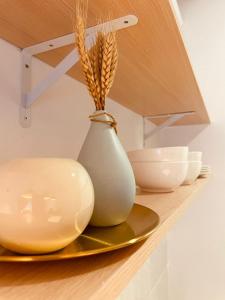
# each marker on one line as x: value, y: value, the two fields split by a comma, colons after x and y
x: 45, y: 204
x: 109, y: 168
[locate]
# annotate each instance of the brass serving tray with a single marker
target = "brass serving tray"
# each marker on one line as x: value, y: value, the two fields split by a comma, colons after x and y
x: 141, y: 222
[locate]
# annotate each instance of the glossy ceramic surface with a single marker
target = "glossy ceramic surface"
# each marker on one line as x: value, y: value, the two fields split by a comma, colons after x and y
x: 159, y: 176
x: 44, y: 204
x: 111, y: 173
x: 140, y: 224
x: 159, y: 154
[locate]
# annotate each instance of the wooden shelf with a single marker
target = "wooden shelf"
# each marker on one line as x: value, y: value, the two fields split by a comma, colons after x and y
x: 154, y: 75
x: 98, y: 277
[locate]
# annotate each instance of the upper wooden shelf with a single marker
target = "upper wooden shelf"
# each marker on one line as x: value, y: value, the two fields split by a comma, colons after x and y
x: 101, y: 276
x: 154, y: 74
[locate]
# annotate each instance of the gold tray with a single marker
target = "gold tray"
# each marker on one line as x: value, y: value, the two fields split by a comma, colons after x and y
x: 141, y: 222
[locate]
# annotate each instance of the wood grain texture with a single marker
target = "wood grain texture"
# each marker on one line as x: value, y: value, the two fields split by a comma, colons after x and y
x: 154, y: 74
x: 98, y: 277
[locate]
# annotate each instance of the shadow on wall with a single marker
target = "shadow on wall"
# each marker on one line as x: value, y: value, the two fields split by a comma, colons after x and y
x: 180, y: 135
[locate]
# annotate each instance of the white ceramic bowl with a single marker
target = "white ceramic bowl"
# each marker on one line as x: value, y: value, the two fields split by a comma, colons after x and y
x: 195, y: 156
x: 194, y: 169
x: 159, y: 176
x: 45, y: 204
x: 159, y: 154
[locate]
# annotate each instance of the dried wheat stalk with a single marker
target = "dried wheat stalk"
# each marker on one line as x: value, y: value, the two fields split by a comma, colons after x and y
x: 109, y: 64
x: 100, y: 62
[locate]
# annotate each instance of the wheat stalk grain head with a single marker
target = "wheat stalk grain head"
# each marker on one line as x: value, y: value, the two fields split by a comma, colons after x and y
x: 99, y: 63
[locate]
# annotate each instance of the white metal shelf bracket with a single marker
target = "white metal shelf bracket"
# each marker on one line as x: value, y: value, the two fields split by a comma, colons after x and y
x: 28, y: 95
x: 170, y: 120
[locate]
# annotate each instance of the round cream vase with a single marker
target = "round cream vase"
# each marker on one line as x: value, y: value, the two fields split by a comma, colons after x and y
x: 45, y: 204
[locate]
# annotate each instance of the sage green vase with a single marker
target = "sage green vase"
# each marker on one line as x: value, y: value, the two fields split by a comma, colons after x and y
x: 110, y: 170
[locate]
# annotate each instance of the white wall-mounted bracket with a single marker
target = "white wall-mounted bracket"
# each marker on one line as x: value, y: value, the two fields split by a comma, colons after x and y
x: 28, y: 95
x: 170, y: 120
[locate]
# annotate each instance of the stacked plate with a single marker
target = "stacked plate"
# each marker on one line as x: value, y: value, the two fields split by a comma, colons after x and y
x: 205, y: 171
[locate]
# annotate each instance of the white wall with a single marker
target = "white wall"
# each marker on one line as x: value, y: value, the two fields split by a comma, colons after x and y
x: 151, y: 281
x: 59, y: 117
x: 196, y: 246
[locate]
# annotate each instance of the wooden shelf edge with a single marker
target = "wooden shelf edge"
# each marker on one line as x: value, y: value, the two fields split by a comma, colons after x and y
x: 121, y: 278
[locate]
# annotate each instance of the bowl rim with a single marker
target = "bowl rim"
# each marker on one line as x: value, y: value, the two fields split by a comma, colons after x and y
x: 160, y: 148
x: 161, y: 161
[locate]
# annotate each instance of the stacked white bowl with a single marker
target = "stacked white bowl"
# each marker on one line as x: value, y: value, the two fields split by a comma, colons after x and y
x: 194, y: 167
x: 159, y: 169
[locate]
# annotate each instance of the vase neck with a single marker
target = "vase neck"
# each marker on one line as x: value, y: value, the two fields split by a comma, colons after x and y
x: 102, y: 117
